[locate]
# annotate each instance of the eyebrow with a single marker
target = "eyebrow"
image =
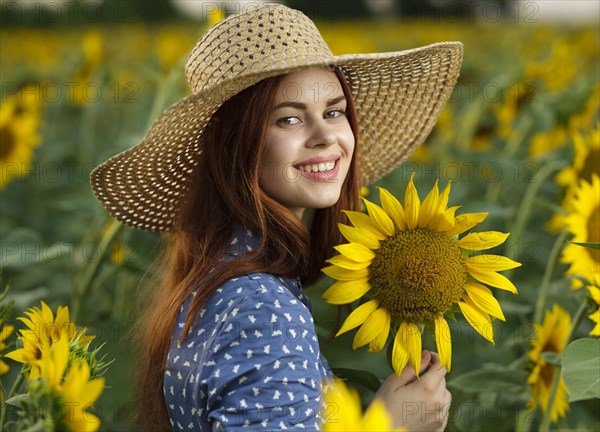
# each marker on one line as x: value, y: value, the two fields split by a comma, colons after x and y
x: 302, y: 106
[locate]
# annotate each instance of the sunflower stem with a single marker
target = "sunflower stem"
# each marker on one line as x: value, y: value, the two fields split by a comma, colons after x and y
x: 13, y: 391
x: 524, y: 211
x: 512, y: 145
x: 547, y: 418
x: 549, y: 272
x: 112, y: 229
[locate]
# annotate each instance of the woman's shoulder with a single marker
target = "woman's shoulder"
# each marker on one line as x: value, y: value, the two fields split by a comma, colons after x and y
x: 258, y: 291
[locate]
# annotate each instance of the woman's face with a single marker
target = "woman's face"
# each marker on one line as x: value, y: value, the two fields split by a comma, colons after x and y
x: 309, y: 142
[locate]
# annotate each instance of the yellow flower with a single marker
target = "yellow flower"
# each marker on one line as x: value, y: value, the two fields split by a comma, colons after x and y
x: 7, y: 330
x: 75, y: 390
x: 546, y: 142
x: 172, y: 44
x: 517, y: 95
x: 584, y: 223
x: 551, y: 337
x: 43, y: 330
x: 19, y: 135
x: 584, y: 119
x: 342, y: 411
x: 586, y: 161
x: 215, y: 17
x: 558, y: 71
x: 92, y: 47
x: 594, y: 290
x: 410, y: 263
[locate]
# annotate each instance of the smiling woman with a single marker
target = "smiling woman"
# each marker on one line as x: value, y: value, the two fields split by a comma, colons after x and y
x: 309, y: 142
x: 270, y: 131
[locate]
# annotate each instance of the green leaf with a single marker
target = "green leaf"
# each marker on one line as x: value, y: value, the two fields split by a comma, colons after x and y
x: 490, y: 379
x: 581, y: 369
x: 589, y: 245
x: 18, y: 400
x: 361, y: 377
x: 551, y: 357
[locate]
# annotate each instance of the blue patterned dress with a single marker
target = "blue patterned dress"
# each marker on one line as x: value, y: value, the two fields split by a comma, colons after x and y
x: 251, y: 360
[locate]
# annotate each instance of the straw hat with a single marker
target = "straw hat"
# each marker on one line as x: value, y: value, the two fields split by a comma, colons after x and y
x: 398, y: 97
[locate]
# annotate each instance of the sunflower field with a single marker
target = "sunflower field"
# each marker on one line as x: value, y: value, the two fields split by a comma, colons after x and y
x: 513, y: 166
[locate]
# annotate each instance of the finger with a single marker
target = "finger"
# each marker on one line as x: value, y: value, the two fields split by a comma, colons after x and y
x: 411, y: 376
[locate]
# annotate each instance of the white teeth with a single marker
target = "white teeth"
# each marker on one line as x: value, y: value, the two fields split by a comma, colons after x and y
x: 322, y: 167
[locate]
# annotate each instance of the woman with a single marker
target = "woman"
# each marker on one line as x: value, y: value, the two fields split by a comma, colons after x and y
x: 250, y: 174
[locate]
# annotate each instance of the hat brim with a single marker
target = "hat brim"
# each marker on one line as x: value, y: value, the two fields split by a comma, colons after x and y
x: 398, y: 98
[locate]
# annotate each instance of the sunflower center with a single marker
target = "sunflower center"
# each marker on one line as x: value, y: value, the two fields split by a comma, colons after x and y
x: 7, y: 142
x: 593, y: 229
x: 591, y: 165
x: 417, y: 274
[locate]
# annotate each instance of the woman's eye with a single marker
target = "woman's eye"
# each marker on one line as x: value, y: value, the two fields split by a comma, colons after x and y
x: 335, y: 113
x: 291, y: 120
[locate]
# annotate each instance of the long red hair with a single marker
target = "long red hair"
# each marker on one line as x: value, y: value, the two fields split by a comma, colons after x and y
x: 223, y: 194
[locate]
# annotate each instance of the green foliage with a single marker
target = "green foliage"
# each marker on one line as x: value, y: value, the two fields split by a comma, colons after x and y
x: 581, y: 369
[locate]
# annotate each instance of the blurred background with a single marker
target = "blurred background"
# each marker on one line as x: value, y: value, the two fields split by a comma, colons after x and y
x: 83, y: 80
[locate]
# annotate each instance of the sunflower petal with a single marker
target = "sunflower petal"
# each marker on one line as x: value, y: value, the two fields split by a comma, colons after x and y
x: 443, y: 199
x: 399, y: 351
x: 491, y: 263
x: 414, y: 345
x: 365, y: 223
x: 429, y: 207
x: 478, y: 319
x: 347, y: 263
x: 446, y: 220
x: 465, y: 222
x: 371, y: 328
x: 392, y: 207
x: 484, y: 299
x: 358, y: 316
x: 482, y: 240
x: 494, y: 279
x: 20, y: 355
x: 355, y: 251
x: 443, y: 341
x: 343, y: 274
x: 357, y: 235
x: 376, y: 418
x: 378, y: 343
x: 380, y: 217
x: 411, y: 204
x: 346, y: 292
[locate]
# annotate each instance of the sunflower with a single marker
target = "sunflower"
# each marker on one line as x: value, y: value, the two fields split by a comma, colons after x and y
x: 586, y: 159
x: 93, y: 54
x: 342, y: 411
x: 43, y: 330
x: 75, y: 391
x: 558, y: 71
x: 546, y: 142
x: 551, y: 337
x: 586, y: 163
x: 594, y: 290
x: 7, y: 330
x: 584, y: 223
x: 18, y: 137
x: 410, y: 263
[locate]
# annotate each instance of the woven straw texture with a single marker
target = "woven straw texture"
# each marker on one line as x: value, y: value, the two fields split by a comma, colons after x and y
x: 398, y: 97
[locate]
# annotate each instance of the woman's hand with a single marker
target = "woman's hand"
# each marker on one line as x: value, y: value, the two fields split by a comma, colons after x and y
x: 418, y: 404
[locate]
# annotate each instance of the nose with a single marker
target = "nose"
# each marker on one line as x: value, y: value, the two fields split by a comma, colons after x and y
x: 321, y: 135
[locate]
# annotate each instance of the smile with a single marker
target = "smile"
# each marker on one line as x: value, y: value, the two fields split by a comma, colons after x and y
x: 319, y: 169
x: 322, y: 167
